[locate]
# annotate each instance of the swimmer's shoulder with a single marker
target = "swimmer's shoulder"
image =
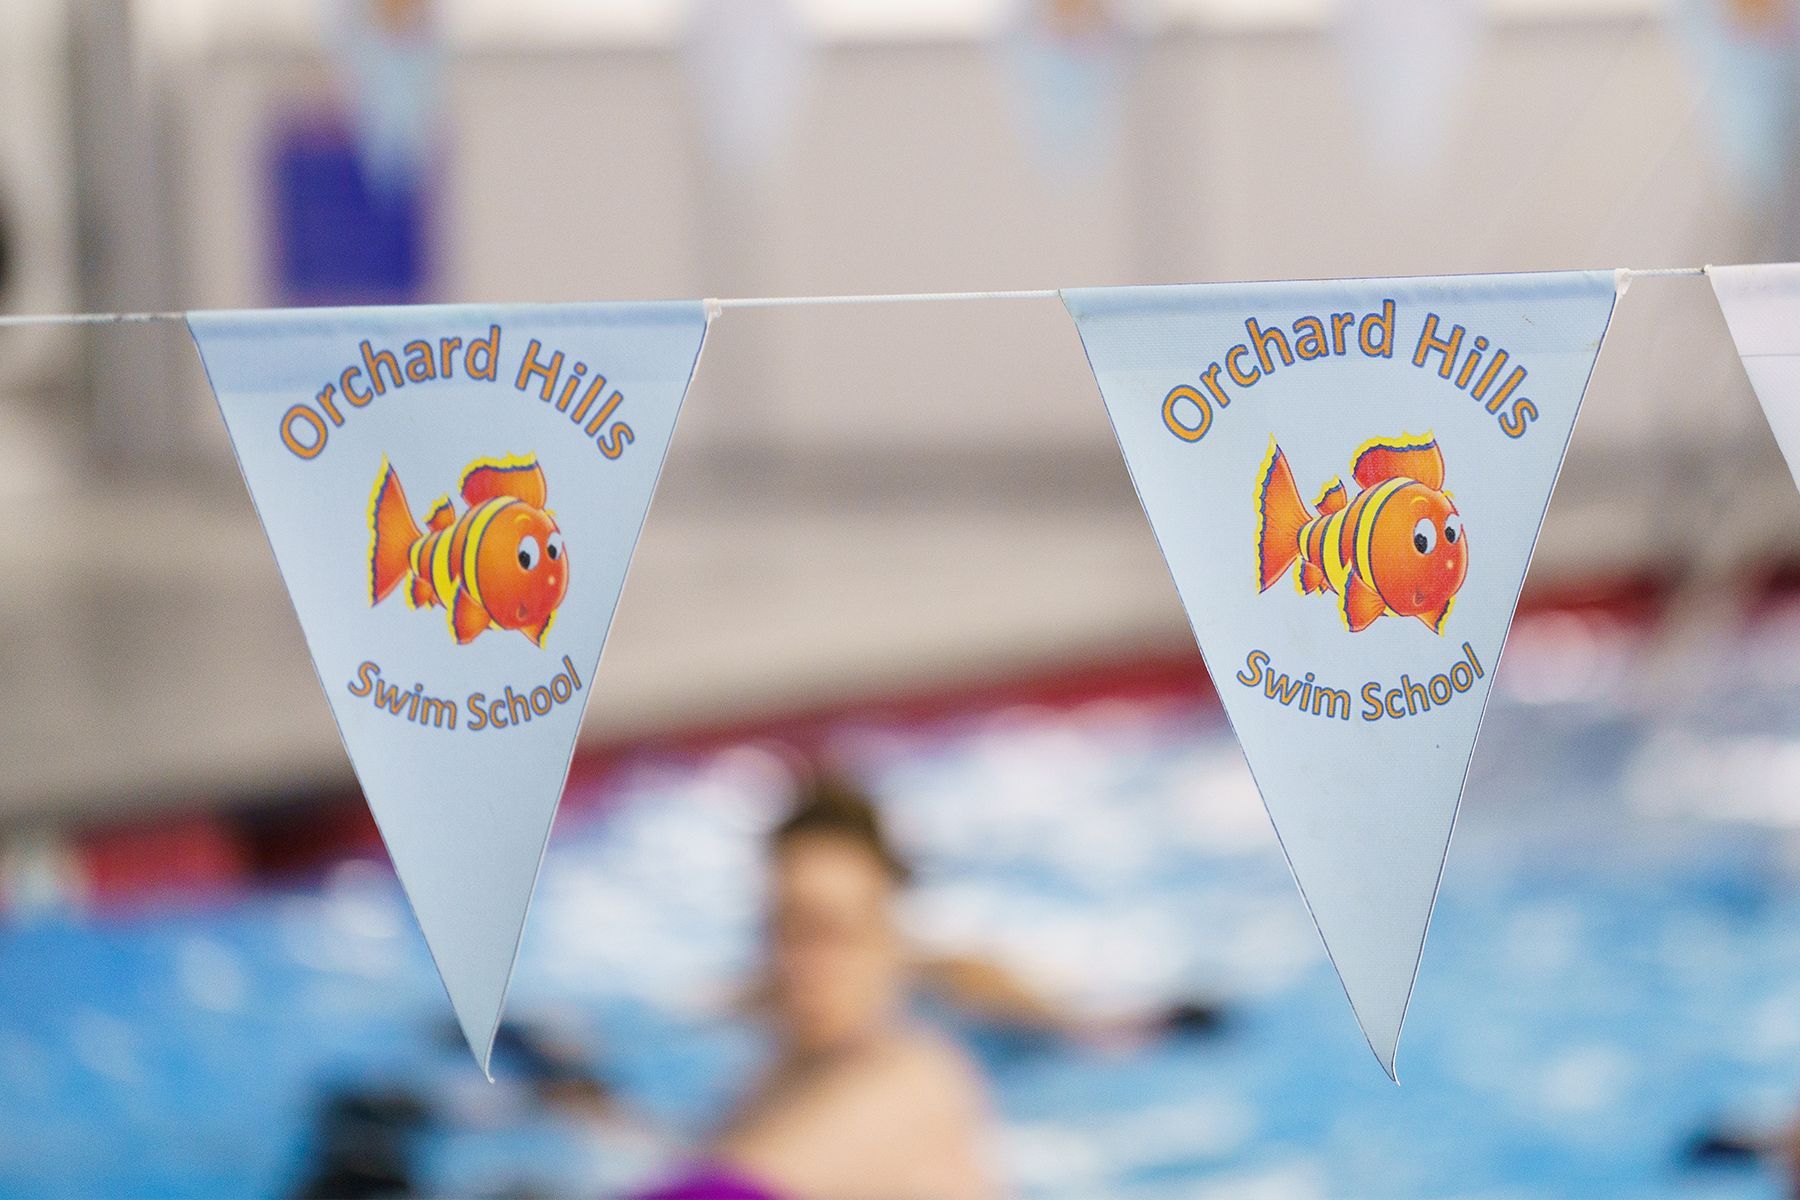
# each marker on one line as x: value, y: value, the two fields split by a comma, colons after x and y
x: 909, y: 1076
x: 938, y: 1085
x: 924, y: 1061
x: 907, y: 1108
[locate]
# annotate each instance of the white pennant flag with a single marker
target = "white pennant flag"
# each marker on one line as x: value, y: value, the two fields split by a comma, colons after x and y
x: 453, y: 495
x: 1762, y: 309
x: 1347, y: 479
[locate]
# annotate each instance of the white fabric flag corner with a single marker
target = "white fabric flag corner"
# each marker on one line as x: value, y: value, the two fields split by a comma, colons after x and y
x: 453, y: 495
x: 1761, y: 305
x: 1347, y: 479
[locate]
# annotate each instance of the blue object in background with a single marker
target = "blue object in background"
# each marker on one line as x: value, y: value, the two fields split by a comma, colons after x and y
x: 338, y: 238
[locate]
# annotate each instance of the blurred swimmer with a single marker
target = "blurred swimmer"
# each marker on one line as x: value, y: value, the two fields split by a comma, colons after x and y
x: 860, y: 1102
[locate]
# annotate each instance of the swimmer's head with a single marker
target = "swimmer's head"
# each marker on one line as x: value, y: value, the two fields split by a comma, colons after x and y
x: 830, y: 807
x: 837, y: 956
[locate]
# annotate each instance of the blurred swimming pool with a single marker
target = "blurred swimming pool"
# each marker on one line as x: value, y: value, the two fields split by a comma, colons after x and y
x: 1615, y: 963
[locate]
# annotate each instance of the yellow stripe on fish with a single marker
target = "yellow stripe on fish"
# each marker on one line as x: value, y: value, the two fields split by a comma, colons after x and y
x: 1395, y: 548
x: 442, y: 581
x: 501, y: 565
x: 1365, y: 524
x: 479, y: 519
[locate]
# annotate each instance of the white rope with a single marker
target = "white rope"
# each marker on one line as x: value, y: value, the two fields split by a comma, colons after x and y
x: 129, y: 318
x: 147, y: 318
x: 894, y: 298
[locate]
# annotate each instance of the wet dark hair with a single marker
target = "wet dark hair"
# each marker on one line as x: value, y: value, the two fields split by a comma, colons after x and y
x: 827, y: 805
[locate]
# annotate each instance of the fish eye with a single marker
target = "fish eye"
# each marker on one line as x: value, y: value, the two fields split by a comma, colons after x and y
x: 553, y: 547
x: 1452, y: 529
x: 529, y: 552
x: 1424, y: 536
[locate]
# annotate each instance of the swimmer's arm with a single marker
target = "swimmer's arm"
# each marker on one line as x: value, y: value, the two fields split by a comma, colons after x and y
x: 987, y: 990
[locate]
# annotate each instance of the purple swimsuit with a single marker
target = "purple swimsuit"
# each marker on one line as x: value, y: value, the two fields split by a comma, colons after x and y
x: 709, y: 1182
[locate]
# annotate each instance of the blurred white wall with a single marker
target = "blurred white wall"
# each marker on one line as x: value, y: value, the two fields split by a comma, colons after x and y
x: 862, y: 500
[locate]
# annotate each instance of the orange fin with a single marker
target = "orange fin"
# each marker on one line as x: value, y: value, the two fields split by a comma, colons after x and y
x: 519, y: 478
x: 1331, y: 498
x: 423, y: 595
x: 468, y: 620
x: 443, y: 516
x: 392, y: 532
x: 1404, y: 457
x: 1280, y: 515
x: 1436, y: 620
x: 541, y: 632
x: 1362, y: 604
x: 1312, y: 579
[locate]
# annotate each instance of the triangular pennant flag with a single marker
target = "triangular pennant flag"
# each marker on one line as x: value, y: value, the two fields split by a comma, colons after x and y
x: 1347, y: 479
x: 1747, y: 54
x: 1761, y: 305
x: 391, y: 53
x: 453, y: 495
x: 1406, y: 61
x: 750, y: 61
x: 1071, y: 60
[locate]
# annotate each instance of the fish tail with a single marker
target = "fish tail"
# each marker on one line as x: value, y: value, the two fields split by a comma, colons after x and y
x: 1280, y: 515
x: 392, y: 532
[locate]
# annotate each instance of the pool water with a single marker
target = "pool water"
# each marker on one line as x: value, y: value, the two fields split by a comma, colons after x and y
x: 1613, y: 968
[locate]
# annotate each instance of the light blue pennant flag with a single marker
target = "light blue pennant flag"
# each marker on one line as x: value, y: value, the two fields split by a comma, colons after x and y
x: 1746, y: 54
x: 1408, y: 61
x: 751, y: 66
x: 453, y: 495
x: 1347, y: 479
x: 392, y: 55
x: 1072, y: 60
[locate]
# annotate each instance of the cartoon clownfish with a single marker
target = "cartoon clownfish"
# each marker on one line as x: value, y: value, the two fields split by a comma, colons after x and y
x: 1397, y: 548
x: 501, y: 565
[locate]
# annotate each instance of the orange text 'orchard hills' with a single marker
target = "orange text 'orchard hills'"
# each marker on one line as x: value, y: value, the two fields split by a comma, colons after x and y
x: 1468, y: 361
x: 569, y: 385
